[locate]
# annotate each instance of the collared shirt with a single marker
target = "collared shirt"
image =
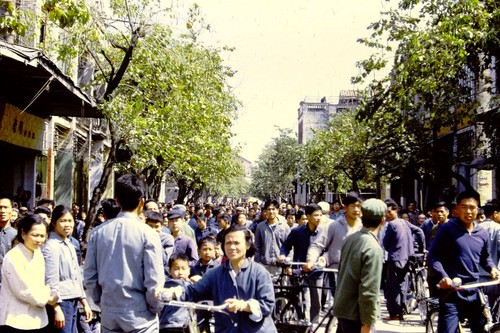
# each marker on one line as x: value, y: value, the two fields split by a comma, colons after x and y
x: 24, y: 294
x: 299, y: 240
x: 268, y: 241
x: 199, y: 234
x: 7, y: 236
x: 62, y: 271
x: 186, y: 245
x: 123, y: 268
x: 331, y: 240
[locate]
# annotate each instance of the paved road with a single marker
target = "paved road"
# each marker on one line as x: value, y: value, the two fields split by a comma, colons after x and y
x: 411, y: 324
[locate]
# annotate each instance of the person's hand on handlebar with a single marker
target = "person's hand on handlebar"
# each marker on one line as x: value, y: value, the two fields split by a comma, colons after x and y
x: 495, y: 273
x: 445, y: 283
x: 235, y: 305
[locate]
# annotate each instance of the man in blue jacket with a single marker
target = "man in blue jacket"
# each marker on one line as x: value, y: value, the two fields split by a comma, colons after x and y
x: 457, y: 251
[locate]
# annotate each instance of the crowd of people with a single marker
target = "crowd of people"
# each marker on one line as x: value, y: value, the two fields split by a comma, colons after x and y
x: 140, y: 254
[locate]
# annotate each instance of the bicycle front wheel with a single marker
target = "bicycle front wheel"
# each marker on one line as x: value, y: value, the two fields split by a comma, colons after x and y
x: 331, y: 326
x: 420, y: 295
x: 431, y: 324
x: 292, y: 312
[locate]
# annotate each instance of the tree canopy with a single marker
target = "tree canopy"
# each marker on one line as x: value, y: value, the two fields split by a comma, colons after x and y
x: 440, y: 76
x: 274, y: 175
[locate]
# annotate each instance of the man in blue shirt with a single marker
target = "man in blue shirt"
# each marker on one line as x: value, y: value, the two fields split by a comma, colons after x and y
x: 299, y: 240
x: 123, y: 267
x: 459, y: 248
x: 398, y: 242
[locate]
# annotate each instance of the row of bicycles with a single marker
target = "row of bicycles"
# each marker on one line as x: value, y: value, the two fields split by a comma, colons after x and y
x: 290, y: 316
x: 290, y: 313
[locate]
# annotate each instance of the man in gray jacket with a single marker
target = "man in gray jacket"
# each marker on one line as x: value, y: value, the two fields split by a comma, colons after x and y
x: 124, y: 268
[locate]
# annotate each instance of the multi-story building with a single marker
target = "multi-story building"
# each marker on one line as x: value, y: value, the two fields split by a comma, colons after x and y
x: 51, y: 137
x: 313, y: 114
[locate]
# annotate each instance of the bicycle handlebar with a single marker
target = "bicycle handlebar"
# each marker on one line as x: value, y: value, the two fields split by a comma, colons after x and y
x: 477, y: 285
x: 197, y: 306
x: 315, y: 266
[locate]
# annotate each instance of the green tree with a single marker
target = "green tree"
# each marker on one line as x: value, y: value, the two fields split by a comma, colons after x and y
x: 274, y: 175
x: 340, y: 154
x: 440, y: 75
x: 165, y: 95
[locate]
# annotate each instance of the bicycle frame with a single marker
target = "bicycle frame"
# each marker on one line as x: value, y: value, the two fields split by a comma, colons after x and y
x: 491, y: 324
x: 192, y: 325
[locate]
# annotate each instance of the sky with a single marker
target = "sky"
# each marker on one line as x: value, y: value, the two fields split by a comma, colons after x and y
x: 286, y: 51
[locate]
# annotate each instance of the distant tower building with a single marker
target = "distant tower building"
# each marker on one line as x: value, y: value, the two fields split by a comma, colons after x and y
x: 313, y: 116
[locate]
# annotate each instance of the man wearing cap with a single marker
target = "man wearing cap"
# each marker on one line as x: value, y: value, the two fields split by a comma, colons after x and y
x: 325, y: 208
x: 7, y: 232
x: 182, y: 243
x: 357, y: 300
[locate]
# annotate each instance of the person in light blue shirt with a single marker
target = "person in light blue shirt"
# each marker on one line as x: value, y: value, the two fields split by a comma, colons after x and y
x: 123, y: 267
x: 62, y: 272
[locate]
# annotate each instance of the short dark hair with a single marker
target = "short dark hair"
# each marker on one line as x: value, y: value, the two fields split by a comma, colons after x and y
x: 58, y: 211
x: 248, y: 238
x: 351, y: 198
x: 391, y: 203
x: 311, y: 208
x: 439, y: 204
x: 201, y: 216
x: 45, y: 201
x: 468, y: 194
x: 491, y: 206
x: 177, y: 256
x: 290, y: 211
x: 129, y: 190
x: 110, y: 208
x: 152, y: 216
x: 207, y: 240
x: 270, y: 202
x: 44, y: 210
x: 225, y: 217
x: 25, y: 224
x: 299, y: 214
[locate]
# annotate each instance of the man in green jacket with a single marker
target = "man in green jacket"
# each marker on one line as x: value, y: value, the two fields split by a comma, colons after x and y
x: 357, y: 299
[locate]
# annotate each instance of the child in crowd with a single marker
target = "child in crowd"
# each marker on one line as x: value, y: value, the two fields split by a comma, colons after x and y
x: 172, y: 318
x: 218, y: 254
x: 206, y: 251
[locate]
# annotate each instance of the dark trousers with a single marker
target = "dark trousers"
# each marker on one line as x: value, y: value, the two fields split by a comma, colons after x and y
x: 348, y: 326
x: 451, y: 313
x: 70, y: 310
x: 396, y: 288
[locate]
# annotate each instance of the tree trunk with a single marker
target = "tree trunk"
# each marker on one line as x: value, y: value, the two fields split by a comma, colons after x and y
x: 101, y: 187
x: 183, y: 191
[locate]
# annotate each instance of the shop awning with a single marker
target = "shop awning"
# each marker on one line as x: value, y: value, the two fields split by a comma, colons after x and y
x: 33, y: 83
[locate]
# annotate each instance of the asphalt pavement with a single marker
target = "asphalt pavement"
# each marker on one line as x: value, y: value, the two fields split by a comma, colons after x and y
x: 411, y: 324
